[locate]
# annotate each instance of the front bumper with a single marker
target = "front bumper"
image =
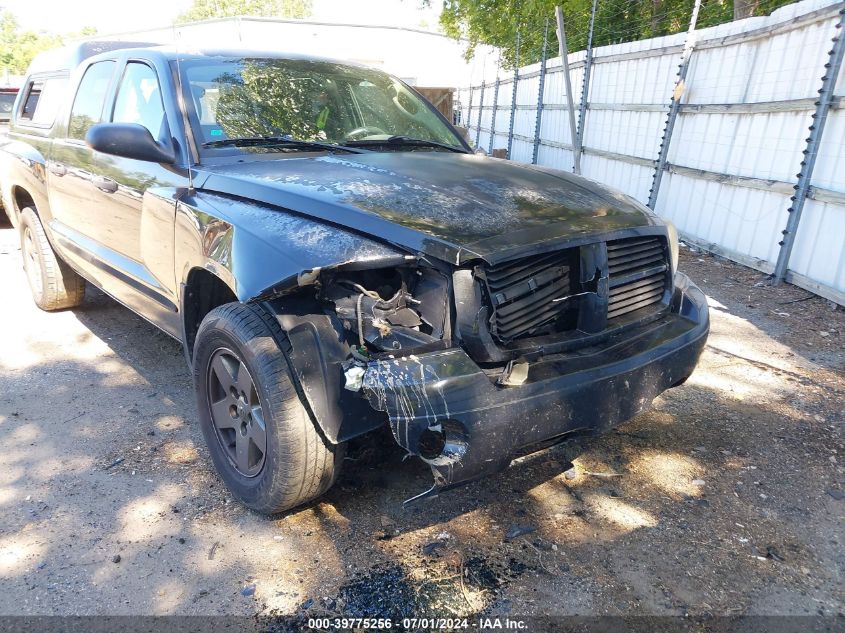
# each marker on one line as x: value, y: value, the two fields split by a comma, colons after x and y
x: 446, y: 409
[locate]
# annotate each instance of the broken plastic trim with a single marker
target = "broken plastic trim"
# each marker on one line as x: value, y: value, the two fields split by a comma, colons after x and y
x: 443, y: 443
x: 313, y: 276
x: 564, y: 394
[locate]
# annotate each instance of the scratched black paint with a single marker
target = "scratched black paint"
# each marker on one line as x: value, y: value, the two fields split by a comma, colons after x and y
x: 451, y: 206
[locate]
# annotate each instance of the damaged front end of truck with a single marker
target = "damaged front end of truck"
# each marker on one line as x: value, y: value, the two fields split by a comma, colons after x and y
x: 476, y: 360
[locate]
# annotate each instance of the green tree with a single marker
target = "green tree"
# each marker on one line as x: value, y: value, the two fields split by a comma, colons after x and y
x: 258, y: 102
x: 496, y: 22
x: 18, y: 47
x: 205, y: 9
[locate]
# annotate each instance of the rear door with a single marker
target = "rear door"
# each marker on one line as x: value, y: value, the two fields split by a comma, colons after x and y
x: 25, y: 149
x: 70, y: 168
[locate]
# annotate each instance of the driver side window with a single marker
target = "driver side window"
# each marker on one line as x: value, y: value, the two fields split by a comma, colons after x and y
x: 139, y: 99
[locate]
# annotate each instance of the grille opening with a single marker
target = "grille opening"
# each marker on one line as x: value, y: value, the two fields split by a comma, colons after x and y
x: 638, y: 272
x: 527, y: 296
x: 538, y: 295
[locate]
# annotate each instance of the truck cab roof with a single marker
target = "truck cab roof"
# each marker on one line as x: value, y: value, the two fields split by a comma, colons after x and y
x: 69, y: 57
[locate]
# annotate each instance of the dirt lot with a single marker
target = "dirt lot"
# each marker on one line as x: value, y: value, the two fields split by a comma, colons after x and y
x: 726, y: 499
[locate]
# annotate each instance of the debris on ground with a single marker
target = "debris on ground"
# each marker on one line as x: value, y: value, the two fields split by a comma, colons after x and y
x: 773, y: 554
x: 116, y: 462
x: 430, y: 548
x: 515, y: 531
x: 762, y: 414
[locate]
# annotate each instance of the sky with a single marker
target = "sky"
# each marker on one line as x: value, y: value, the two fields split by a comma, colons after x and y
x: 117, y: 16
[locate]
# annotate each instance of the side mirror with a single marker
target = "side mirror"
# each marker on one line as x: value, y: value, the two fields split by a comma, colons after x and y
x: 128, y: 140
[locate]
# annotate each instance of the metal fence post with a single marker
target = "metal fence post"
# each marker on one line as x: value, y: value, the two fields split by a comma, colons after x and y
x: 495, y: 105
x: 540, y: 97
x: 466, y: 123
x: 585, y: 88
x: 831, y: 72
x: 480, y: 112
x: 564, y: 58
x: 513, y: 97
x: 674, y: 108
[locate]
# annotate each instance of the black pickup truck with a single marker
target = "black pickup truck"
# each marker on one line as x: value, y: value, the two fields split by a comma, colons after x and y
x: 335, y: 259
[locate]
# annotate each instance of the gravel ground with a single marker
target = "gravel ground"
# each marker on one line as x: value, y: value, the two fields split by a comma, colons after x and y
x: 726, y: 499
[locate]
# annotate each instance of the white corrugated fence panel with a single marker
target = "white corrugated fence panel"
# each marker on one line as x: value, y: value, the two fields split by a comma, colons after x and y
x: 819, y: 251
x: 628, y: 103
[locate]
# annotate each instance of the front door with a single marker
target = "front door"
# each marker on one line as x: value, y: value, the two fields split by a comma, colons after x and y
x: 140, y: 198
x: 121, y: 211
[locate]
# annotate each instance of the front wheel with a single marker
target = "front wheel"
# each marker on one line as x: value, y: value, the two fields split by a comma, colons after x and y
x: 262, y: 440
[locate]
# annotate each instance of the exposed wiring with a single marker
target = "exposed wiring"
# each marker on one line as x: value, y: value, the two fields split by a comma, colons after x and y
x: 378, y: 302
x: 372, y: 294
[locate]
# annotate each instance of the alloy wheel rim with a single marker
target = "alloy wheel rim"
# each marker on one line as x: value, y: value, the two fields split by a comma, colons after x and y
x: 236, y: 412
x: 30, y: 260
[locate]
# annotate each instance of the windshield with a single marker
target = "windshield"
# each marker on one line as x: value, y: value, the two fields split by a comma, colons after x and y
x: 308, y: 101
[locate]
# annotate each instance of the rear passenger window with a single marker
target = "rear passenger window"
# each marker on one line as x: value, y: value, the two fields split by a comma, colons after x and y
x: 43, y: 97
x: 31, y: 102
x: 139, y: 99
x: 87, y: 108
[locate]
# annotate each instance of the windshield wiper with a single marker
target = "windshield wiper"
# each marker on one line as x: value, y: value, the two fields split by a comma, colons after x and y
x: 279, y: 141
x: 407, y: 140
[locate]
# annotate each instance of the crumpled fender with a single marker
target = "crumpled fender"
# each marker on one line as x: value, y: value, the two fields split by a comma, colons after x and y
x: 260, y: 251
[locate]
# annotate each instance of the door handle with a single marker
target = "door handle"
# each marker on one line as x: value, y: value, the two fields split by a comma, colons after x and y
x: 57, y: 168
x: 105, y: 184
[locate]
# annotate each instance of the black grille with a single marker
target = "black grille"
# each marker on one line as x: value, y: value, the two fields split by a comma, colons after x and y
x: 638, y: 273
x: 540, y: 295
x: 527, y: 295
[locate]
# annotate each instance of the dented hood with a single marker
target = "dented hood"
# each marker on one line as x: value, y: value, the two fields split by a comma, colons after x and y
x: 455, y: 207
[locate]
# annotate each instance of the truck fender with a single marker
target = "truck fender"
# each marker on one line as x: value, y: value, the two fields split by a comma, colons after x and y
x: 315, y: 349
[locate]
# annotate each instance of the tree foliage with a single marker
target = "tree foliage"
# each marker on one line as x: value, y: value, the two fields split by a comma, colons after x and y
x: 496, y: 22
x: 205, y: 9
x: 18, y: 46
x: 262, y: 101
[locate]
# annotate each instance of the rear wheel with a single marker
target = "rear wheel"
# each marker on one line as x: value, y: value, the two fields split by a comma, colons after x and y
x: 261, y: 437
x: 53, y: 284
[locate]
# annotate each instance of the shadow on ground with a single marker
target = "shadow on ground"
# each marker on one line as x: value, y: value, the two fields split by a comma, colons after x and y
x: 720, y: 501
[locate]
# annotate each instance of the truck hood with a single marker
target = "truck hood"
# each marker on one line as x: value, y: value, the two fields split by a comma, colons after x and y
x: 455, y: 207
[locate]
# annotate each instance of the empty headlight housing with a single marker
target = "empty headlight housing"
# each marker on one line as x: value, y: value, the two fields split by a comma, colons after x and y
x: 673, y: 244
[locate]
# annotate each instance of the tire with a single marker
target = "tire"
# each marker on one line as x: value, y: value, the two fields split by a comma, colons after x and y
x: 53, y: 284
x: 297, y: 463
